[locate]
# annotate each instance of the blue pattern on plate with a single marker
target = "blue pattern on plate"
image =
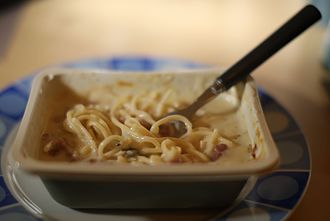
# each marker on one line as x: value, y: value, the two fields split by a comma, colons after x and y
x: 294, y: 152
x: 290, y: 141
x: 265, y: 99
x: 16, y: 213
x: 94, y: 63
x: 5, y: 196
x: 12, y: 102
x: 134, y: 63
x: 6, y: 123
x: 292, y: 127
x: 269, y: 189
x: 276, y: 200
x: 24, y: 85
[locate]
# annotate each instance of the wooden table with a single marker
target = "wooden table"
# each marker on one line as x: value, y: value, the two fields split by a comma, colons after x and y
x: 42, y: 33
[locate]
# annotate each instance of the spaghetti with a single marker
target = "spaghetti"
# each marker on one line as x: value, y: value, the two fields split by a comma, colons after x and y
x: 132, y: 129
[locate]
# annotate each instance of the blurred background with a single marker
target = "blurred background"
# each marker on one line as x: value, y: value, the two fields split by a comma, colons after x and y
x: 39, y: 33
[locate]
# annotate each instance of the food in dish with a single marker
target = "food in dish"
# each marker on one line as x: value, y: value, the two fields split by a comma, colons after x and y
x: 126, y: 122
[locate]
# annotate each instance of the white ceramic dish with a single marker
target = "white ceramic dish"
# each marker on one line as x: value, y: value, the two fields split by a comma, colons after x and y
x: 167, y: 186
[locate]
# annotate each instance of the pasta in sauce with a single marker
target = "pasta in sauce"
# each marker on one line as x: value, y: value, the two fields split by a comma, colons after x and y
x: 131, y: 128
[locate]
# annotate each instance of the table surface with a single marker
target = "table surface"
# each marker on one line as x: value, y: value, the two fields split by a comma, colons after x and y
x: 41, y: 33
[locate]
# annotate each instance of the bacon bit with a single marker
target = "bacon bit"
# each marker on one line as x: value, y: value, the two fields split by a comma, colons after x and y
x: 218, y: 151
x: 221, y: 147
x: 121, y: 119
x: 145, y: 124
x: 55, y: 146
x: 45, y: 137
x: 167, y: 130
x: 164, y: 130
x: 178, y: 160
x: 254, y: 150
x: 53, y: 152
x: 92, y: 161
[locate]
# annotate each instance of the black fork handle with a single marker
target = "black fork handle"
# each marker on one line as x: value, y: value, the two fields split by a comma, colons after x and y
x: 287, y: 32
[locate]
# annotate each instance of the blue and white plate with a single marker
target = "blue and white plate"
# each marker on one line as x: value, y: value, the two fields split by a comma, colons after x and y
x: 273, y: 197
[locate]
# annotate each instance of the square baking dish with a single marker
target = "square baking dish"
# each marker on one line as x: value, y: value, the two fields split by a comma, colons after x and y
x: 85, y: 185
